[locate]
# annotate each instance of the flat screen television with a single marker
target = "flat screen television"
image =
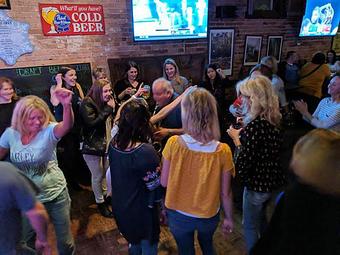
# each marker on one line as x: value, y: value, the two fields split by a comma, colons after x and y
x: 169, y: 19
x: 321, y: 18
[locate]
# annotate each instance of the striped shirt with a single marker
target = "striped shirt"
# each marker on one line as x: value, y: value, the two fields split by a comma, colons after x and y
x: 327, y: 115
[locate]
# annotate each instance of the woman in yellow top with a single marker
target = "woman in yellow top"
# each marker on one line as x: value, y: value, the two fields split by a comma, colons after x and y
x: 197, y: 170
x: 312, y: 77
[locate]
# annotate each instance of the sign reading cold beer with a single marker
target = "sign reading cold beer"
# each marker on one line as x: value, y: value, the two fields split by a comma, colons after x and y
x: 72, y: 19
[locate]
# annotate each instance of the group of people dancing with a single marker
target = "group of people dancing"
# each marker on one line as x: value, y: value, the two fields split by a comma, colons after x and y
x: 188, y: 180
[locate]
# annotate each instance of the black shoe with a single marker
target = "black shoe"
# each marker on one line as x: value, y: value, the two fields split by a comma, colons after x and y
x: 104, y: 210
x: 108, y: 200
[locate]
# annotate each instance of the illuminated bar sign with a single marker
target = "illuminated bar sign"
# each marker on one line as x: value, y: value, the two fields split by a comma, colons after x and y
x: 72, y: 19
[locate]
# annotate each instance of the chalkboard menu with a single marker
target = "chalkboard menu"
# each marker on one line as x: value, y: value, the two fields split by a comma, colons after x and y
x: 37, y: 80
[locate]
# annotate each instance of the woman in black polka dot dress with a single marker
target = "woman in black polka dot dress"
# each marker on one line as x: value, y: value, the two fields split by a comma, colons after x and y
x: 257, y: 153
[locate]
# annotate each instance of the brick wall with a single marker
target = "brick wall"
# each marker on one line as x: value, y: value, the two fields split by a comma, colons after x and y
x: 118, y: 40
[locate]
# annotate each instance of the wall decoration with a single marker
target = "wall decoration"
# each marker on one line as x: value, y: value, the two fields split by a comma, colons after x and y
x: 14, y: 39
x: 336, y: 43
x: 72, y: 19
x: 221, y: 48
x: 37, y: 80
x: 5, y: 4
x: 252, y: 50
x: 266, y: 9
x: 274, y: 46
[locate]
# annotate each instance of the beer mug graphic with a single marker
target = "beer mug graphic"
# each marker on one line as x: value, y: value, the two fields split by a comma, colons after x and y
x: 48, y: 14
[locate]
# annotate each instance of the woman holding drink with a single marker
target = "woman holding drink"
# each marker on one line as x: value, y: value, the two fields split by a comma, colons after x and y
x: 128, y: 86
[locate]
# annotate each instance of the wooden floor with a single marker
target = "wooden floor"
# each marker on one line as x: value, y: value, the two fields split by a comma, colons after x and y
x: 97, y: 235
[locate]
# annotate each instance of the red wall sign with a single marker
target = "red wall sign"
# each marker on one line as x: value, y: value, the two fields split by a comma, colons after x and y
x: 72, y: 19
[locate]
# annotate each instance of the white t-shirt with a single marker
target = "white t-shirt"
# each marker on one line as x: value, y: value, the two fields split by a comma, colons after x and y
x: 38, y: 160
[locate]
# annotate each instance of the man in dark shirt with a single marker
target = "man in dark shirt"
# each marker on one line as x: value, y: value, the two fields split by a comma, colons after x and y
x: 289, y: 71
x: 164, y: 94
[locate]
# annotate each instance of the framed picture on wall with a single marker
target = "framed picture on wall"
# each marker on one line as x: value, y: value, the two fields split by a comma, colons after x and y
x: 221, y: 48
x: 252, y: 50
x: 274, y: 46
x: 5, y: 4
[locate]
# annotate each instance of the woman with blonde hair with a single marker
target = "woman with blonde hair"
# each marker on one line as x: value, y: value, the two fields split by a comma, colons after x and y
x: 192, y: 164
x: 171, y: 73
x: 257, y: 155
x: 32, y: 140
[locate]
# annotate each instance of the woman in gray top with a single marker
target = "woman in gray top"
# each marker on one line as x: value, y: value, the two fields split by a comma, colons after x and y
x: 171, y: 73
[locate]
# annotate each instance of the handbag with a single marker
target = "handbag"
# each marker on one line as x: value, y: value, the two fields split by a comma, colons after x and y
x: 94, y: 146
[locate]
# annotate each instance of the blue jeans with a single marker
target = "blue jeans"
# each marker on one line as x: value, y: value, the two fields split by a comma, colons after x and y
x: 183, y: 229
x: 144, y: 247
x: 59, y: 212
x: 254, y: 215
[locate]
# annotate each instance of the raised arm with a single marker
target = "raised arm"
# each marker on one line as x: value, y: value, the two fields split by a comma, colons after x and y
x: 168, y: 108
x: 54, y: 101
x: 65, y: 98
x: 138, y: 93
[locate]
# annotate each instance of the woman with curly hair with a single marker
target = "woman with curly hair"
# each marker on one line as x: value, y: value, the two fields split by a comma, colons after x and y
x: 257, y: 153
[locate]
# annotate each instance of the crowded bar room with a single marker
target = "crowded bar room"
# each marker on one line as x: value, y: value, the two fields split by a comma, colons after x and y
x: 190, y: 127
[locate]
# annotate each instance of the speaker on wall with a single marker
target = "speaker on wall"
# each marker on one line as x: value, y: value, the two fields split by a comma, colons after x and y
x: 225, y: 11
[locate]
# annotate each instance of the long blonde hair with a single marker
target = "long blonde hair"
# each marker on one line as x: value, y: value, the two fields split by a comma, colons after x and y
x: 23, y: 109
x: 263, y: 100
x: 10, y: 82
x: 199, y: 115
x: 170, y: 61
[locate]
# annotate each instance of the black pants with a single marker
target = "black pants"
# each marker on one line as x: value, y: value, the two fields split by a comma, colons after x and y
x: 71, y: 161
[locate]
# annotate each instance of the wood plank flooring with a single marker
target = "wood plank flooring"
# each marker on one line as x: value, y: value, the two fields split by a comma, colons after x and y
x: 96, y: 235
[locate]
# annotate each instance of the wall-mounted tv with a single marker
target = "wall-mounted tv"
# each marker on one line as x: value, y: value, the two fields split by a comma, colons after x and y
x: 321, y: 18
x: 169, y: 19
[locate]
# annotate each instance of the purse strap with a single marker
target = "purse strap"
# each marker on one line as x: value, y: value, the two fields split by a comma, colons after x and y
x: 311, y: 72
